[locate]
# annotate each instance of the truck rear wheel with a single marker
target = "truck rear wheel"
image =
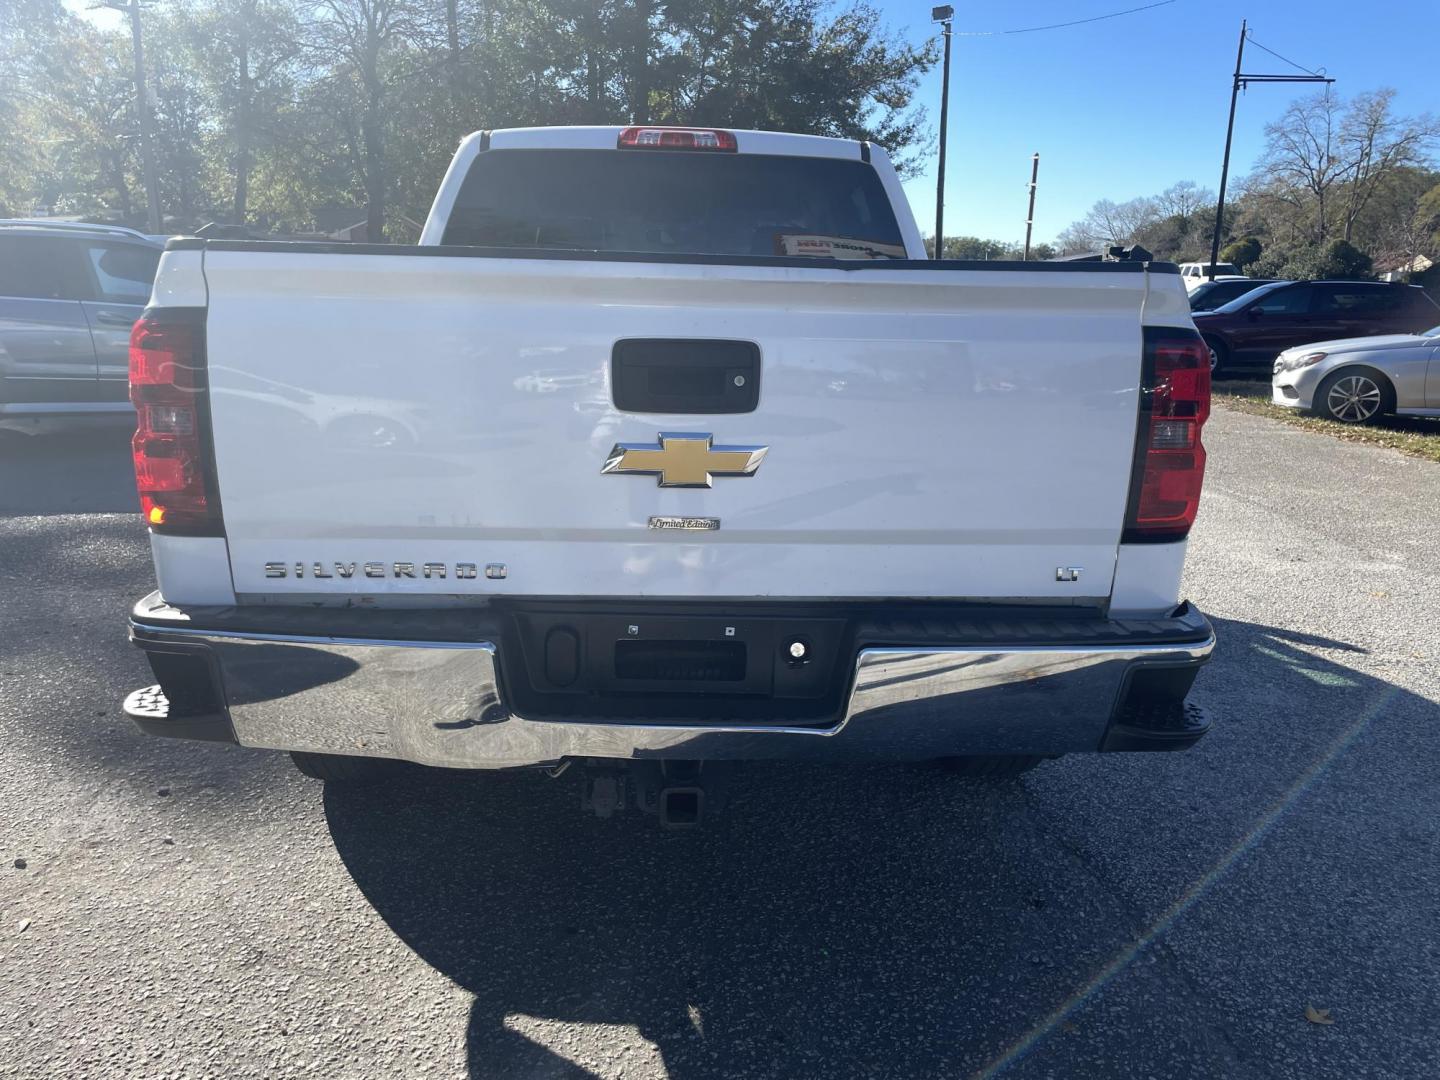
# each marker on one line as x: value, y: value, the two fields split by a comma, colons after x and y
x: 342, y: 768
x: 995, y: 766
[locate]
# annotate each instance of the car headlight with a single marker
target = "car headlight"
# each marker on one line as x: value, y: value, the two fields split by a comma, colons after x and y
x: 1304, y: 360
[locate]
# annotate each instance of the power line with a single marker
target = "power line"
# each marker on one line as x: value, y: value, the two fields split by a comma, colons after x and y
x: 1277, y: 56
x: 1096, y: 18
x: 1061, y: 25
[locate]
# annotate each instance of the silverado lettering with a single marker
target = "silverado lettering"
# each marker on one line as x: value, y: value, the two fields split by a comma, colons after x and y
x: 345, y: 570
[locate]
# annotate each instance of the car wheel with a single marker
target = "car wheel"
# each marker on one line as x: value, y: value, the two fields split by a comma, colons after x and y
x: 993, y: 767
x: 344, y: 769
x: 1219, y: 355
x: 1354, y: 396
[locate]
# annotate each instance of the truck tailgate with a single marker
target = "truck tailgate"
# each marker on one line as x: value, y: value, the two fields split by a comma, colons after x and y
x: 383, y: 422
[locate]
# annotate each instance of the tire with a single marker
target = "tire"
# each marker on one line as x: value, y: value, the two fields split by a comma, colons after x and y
x: 342, y: 768
x: 1354, y: 395
x: 995, y: 767
x: 1219, y: 355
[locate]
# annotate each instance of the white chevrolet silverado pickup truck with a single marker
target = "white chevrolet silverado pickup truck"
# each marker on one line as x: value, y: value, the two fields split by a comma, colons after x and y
x: 664, y: 447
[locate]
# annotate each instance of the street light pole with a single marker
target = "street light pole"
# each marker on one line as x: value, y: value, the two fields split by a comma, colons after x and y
x: 943, y: 15
x: 1240, y: 82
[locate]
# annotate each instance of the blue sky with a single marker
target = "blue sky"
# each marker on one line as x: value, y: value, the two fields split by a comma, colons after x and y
x: 1128, y: 106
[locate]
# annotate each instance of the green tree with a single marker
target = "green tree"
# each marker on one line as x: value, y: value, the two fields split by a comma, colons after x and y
x: 788, y: 65
x: 28, y: 29
x: 1241, y: 253
x: 181, y: 115
x: 268, y: 109
x: 1335, y: 260
x: 974, y: 248
x: 89, y: 115
x: 245, y: 55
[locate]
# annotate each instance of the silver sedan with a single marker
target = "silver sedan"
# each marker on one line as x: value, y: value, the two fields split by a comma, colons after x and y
x: 1358, y: 380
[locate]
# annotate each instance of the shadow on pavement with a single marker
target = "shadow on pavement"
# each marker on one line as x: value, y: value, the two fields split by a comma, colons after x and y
x: 85, y: 468
x: 841, y: 921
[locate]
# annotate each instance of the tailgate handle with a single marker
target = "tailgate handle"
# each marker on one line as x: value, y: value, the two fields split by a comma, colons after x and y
x: 678, y: 375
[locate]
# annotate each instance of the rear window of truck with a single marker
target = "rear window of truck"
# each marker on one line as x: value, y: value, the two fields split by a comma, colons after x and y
x: 675, y: 203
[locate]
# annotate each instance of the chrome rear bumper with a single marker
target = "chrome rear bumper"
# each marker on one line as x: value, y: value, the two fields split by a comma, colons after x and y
x: 443, y: 703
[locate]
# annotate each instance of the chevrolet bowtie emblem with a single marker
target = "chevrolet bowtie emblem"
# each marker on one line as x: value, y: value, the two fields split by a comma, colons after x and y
x: 684, y: 459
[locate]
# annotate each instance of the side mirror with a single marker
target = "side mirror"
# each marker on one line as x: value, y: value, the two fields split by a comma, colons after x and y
x: 1253, y: 313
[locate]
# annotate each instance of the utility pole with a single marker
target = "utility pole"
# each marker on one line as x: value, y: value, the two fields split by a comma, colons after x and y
x: 1225, y: 164
x: 142, y: 107
x: 1242, y: 81
x: 1030, y: 214
x: 943, y: 15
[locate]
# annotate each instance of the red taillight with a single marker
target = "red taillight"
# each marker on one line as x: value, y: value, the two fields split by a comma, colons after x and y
x: 167, y: 385
x: 676, y: 138
x: 1169, y: 456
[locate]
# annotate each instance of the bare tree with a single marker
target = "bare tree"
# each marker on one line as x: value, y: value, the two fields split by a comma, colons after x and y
x: 1301, y: 166
x: 1109, y: 223
x: 1373, y: 144
x: 1183, y: 200
x: 1325, y: 160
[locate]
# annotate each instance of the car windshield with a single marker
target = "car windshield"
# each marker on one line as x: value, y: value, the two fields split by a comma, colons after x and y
x: 1240, y: 303
x: 1212, y: 294
x: 676, y: 203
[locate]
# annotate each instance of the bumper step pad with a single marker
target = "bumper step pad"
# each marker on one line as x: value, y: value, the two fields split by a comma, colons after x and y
x: 1160, y: 725
x: 149, y: 708
x: 147, y: 703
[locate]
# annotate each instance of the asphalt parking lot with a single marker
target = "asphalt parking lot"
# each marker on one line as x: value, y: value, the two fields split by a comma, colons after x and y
x: 192, y: 910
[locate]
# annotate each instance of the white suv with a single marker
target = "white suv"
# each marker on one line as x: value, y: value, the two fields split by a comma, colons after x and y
x: 1194, y: 274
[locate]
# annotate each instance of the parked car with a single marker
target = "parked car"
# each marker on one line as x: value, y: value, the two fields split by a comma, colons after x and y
x: 1195, y: 274
x: 1254, y: 329
x: 69, y: 294
x: 1213, y: 294
x: 639, y: 527
x: 1359, y: 380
